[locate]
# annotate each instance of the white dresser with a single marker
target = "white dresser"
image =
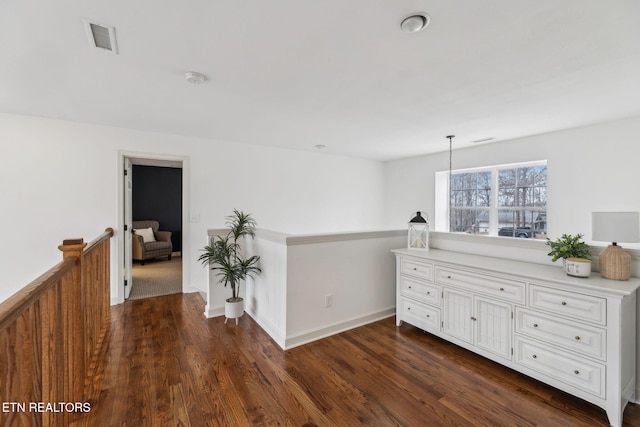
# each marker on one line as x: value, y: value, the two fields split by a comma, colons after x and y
x: 576, y: 334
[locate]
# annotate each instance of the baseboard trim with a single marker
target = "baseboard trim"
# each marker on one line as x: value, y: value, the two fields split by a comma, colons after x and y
x: 210, y: 312
x: 267, y: 326
x: 307, y: 337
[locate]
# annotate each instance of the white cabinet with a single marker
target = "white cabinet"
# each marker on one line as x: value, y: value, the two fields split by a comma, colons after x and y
x: 579, y: 306
x: 478, y: 308
x: 495, y: 285
x: 573, y: 371
x: 493, y: 330
x: 581, y: 338
x: 479, y: 321
x: 418, y: 298
x: 562, y: 336
x: 575, y: 334
x: 420, y: 315
x: 457, y: 315
x: 420, y: 290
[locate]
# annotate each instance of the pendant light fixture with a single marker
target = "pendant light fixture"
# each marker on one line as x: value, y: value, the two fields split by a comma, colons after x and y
x: 450, y: 177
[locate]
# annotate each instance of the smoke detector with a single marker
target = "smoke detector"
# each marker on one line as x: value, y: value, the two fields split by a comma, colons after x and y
x: 195, y: 78
x: 101, y: 36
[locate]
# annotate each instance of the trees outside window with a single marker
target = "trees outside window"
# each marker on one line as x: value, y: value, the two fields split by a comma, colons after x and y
x: 506, y: 200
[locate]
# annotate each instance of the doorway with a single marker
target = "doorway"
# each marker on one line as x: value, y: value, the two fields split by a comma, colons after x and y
x: 153, y: 189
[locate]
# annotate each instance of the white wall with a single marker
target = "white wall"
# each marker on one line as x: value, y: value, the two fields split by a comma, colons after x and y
x: 298, y: 271
x: 59, y: 180
x: 593, y: 168
x: 358, y: 274
x: 266, y: 297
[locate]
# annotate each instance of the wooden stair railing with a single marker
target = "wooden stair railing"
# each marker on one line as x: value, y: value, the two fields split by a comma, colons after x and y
x: 49, y: 332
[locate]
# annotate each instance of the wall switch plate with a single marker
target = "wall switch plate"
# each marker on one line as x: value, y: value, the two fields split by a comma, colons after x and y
x: 328, y: 300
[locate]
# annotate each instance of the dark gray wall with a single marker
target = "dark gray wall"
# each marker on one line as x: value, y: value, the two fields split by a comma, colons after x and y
x: 157, y: 195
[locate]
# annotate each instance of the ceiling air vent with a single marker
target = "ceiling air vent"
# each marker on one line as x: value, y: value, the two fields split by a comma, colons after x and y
x: 101, y: 36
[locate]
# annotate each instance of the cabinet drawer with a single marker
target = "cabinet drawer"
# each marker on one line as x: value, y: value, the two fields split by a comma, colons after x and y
x: 499, y: 287
x: 416, y: 268
x: 420, y: 315
x: 561, y: 368
x: 585, y: 339
x: 419, y: 290
x: 570, y: 304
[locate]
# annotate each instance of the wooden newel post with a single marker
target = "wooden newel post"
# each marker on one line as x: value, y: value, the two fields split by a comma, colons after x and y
x: 74, y: 322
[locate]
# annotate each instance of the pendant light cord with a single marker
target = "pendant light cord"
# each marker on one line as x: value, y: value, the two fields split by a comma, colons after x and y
x: 450, y: 178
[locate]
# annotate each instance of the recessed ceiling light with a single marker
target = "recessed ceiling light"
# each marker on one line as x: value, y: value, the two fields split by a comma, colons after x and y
x: 195, y: 78
x: 415, y: 23
x: 320, y: 146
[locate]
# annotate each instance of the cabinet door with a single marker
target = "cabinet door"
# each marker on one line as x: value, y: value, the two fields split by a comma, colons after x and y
x: 458, y: 315
x: 493, y: 326
x: 480, y: 321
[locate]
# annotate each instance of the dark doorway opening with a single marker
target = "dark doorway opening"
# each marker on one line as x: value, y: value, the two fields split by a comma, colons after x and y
x: 157, y: 195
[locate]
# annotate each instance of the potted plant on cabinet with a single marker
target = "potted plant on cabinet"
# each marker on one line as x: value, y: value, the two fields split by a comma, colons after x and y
x: 224, y: 254
x: 574, y: 252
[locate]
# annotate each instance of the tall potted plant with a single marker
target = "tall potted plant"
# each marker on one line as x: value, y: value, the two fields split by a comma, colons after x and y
x: 224, y: 255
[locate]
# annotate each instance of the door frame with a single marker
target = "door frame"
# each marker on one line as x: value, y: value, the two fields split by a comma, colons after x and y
x: 155, y: 160
x: 127, y: 247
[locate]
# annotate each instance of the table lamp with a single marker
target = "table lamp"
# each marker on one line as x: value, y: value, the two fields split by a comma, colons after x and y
x: 615, y: 263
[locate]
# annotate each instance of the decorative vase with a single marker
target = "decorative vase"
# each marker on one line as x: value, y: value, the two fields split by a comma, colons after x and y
x: 233, y: 309
x: 577, y: 267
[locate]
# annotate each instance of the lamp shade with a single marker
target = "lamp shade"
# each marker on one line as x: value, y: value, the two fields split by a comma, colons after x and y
x: 615, y: 227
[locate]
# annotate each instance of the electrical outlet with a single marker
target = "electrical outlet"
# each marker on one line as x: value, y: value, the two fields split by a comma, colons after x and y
x: 328, y: 300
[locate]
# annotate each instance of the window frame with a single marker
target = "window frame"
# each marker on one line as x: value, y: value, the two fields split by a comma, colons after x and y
x: 443, y: 196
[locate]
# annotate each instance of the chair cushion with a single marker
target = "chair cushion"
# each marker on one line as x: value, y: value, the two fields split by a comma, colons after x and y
x: 156, y: 246
x: 148, y: 223
x: 146, y: 233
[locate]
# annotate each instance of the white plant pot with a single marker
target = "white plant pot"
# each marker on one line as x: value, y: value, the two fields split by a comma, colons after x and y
x: 578, y: 267
x: 233, y: 309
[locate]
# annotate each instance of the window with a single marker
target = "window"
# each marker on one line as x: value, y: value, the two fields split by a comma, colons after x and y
x: 505, y: 200
x: 470, y: 202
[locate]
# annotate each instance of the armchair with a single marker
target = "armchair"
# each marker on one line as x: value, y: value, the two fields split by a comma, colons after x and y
x: 150, y: 243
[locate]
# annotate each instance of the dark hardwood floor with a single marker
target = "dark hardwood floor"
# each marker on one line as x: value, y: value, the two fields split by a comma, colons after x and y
x: 165, y: 364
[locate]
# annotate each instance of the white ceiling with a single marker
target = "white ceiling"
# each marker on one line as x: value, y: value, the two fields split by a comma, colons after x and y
x: 297, y: 73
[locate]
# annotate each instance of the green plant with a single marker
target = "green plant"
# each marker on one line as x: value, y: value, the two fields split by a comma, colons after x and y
x: 568, y: 246
x: 225, y: 255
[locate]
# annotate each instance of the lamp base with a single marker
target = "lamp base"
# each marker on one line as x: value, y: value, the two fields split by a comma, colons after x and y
x: 615, y: 263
